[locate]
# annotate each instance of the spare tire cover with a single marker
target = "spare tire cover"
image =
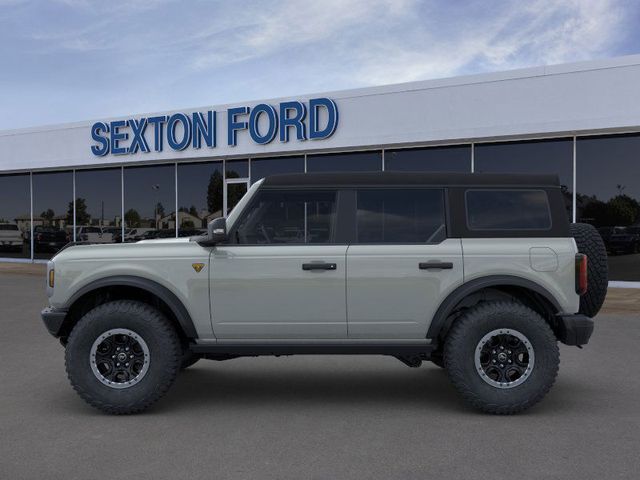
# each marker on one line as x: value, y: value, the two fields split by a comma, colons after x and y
x: 590, y: 243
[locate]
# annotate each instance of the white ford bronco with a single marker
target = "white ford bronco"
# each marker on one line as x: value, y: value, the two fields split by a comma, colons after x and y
x: 480, y: 274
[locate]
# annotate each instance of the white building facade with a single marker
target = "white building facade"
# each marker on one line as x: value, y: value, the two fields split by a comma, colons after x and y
x: 122, y: 179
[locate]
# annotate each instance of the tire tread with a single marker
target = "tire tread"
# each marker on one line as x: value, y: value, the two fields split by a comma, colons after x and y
x: 161, y: 325
x: 454, y: 363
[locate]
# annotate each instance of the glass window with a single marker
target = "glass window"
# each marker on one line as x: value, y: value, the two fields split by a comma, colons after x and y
x: 99, y: 205
x: 507, y: 210
x: 149, y: 202
x: 15, y: 216
x: 400, y: 216
x: 345, y: 162
x: 432, y: 159
x: 608, y: 197
x: 200, y: 193
x: 281, y: 217
x: 263, y: 167
x: 537, y: 156
x: 52, y: 212
x: 237, y: 168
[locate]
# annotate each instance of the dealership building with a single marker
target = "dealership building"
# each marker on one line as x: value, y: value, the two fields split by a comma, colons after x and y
x: 167, y: 174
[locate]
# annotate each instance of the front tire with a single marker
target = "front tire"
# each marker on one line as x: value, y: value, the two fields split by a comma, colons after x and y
x: 122, y: 356
x: 502, y: 357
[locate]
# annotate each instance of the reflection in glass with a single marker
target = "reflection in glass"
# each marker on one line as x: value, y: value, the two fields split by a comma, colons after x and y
x: 263, y: 167
x: 400, y: 216
x: 455, y: 158
x: 52, y: 212
x: 237, y: 168
x: 98, y: 206
x: 608, y: 197
x: 536, y: 156
x: 297, y: 217
x: 149, y: 202
x: 235, y: 192
x: 200, y: 190
x: 345, y: 162
x: 15, y: 216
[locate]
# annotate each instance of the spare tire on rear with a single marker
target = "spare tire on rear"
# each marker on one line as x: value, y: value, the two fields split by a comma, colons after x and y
x: 590, y: 243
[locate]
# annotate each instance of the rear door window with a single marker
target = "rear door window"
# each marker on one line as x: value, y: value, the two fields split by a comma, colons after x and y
x: 493, y: 209
x: 400, y: 216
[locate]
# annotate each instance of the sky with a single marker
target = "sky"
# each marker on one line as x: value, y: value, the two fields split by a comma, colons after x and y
x: 73, y: 60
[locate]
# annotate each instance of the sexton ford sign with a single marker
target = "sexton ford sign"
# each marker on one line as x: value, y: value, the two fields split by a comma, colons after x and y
x: 312, y: 120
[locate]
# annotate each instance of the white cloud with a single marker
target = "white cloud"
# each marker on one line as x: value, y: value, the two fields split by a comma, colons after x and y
x: 540, y: 32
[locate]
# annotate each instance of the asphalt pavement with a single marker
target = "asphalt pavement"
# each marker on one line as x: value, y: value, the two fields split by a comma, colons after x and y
x: 316, y: 417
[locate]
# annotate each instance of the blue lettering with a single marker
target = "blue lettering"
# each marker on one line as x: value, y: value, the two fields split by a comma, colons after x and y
x: 139, y: 142
x: 117, y: 136
x: 172, y: 123
x: 233, y: 126
x: 272, y: 119
x: 103, y: 148
x: 332, y: 121
x: 296, y: 121
x: 204, y: 129
x: 157, y: 123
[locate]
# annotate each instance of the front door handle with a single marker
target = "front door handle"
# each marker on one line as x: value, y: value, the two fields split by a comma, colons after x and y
x: 435, y: 265
x: 319, y: 266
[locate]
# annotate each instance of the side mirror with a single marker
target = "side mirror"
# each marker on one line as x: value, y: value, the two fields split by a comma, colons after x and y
x: 217, y: 230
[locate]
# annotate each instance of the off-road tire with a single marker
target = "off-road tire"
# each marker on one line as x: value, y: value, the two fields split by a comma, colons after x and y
x: 590, y: 243
x: 463, y: 339
x: 152, y: 326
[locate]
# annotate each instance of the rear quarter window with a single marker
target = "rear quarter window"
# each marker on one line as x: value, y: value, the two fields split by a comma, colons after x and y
x: 502, y: 209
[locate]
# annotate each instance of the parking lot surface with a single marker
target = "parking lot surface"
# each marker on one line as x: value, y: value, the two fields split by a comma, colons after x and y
x: 314, y: 417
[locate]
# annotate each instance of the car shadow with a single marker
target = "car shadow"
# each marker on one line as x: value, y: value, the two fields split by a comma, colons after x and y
x: 207, y: 387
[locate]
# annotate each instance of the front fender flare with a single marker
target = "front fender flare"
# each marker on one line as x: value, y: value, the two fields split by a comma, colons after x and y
x: 162, y: 292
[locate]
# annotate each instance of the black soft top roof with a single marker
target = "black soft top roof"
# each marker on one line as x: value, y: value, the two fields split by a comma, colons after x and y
x: 411, y: 178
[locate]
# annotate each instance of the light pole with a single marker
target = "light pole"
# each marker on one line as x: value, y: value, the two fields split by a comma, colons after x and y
x: 155, y: 187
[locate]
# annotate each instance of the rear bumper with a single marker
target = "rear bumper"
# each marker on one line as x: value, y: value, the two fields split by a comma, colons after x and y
x: 53, y: 320
x: 574, y: 329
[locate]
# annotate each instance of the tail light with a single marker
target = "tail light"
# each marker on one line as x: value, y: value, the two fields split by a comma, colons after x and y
x: 581, y: 273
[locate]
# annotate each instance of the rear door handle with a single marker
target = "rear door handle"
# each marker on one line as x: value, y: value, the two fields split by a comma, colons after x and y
x: 435, y: 265
x: 319, y: 266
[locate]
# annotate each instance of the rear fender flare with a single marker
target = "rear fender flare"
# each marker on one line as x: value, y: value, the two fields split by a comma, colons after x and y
x: 439, y: 321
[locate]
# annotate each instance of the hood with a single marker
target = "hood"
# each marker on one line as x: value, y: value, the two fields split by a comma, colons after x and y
x: 165, y: 240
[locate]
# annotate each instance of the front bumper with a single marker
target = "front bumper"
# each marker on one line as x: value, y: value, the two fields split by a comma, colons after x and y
x: 574, y: 329
x: 53, y: 319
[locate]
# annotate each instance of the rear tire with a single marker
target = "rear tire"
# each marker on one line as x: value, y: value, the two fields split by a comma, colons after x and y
x: 589, y: 242
x: 481, y: 337
x: 105, y: 343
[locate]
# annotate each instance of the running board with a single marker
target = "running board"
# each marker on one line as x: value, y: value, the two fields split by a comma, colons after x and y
x: 253, y: 350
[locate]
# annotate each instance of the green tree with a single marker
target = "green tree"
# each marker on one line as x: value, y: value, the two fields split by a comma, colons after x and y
x: 48, y: 215
x: 132, y: 218
x: 82, y: 216
x: 159, y: 210
x: 193, y: 211
x: 215, y: 192
x: 620, y: 211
